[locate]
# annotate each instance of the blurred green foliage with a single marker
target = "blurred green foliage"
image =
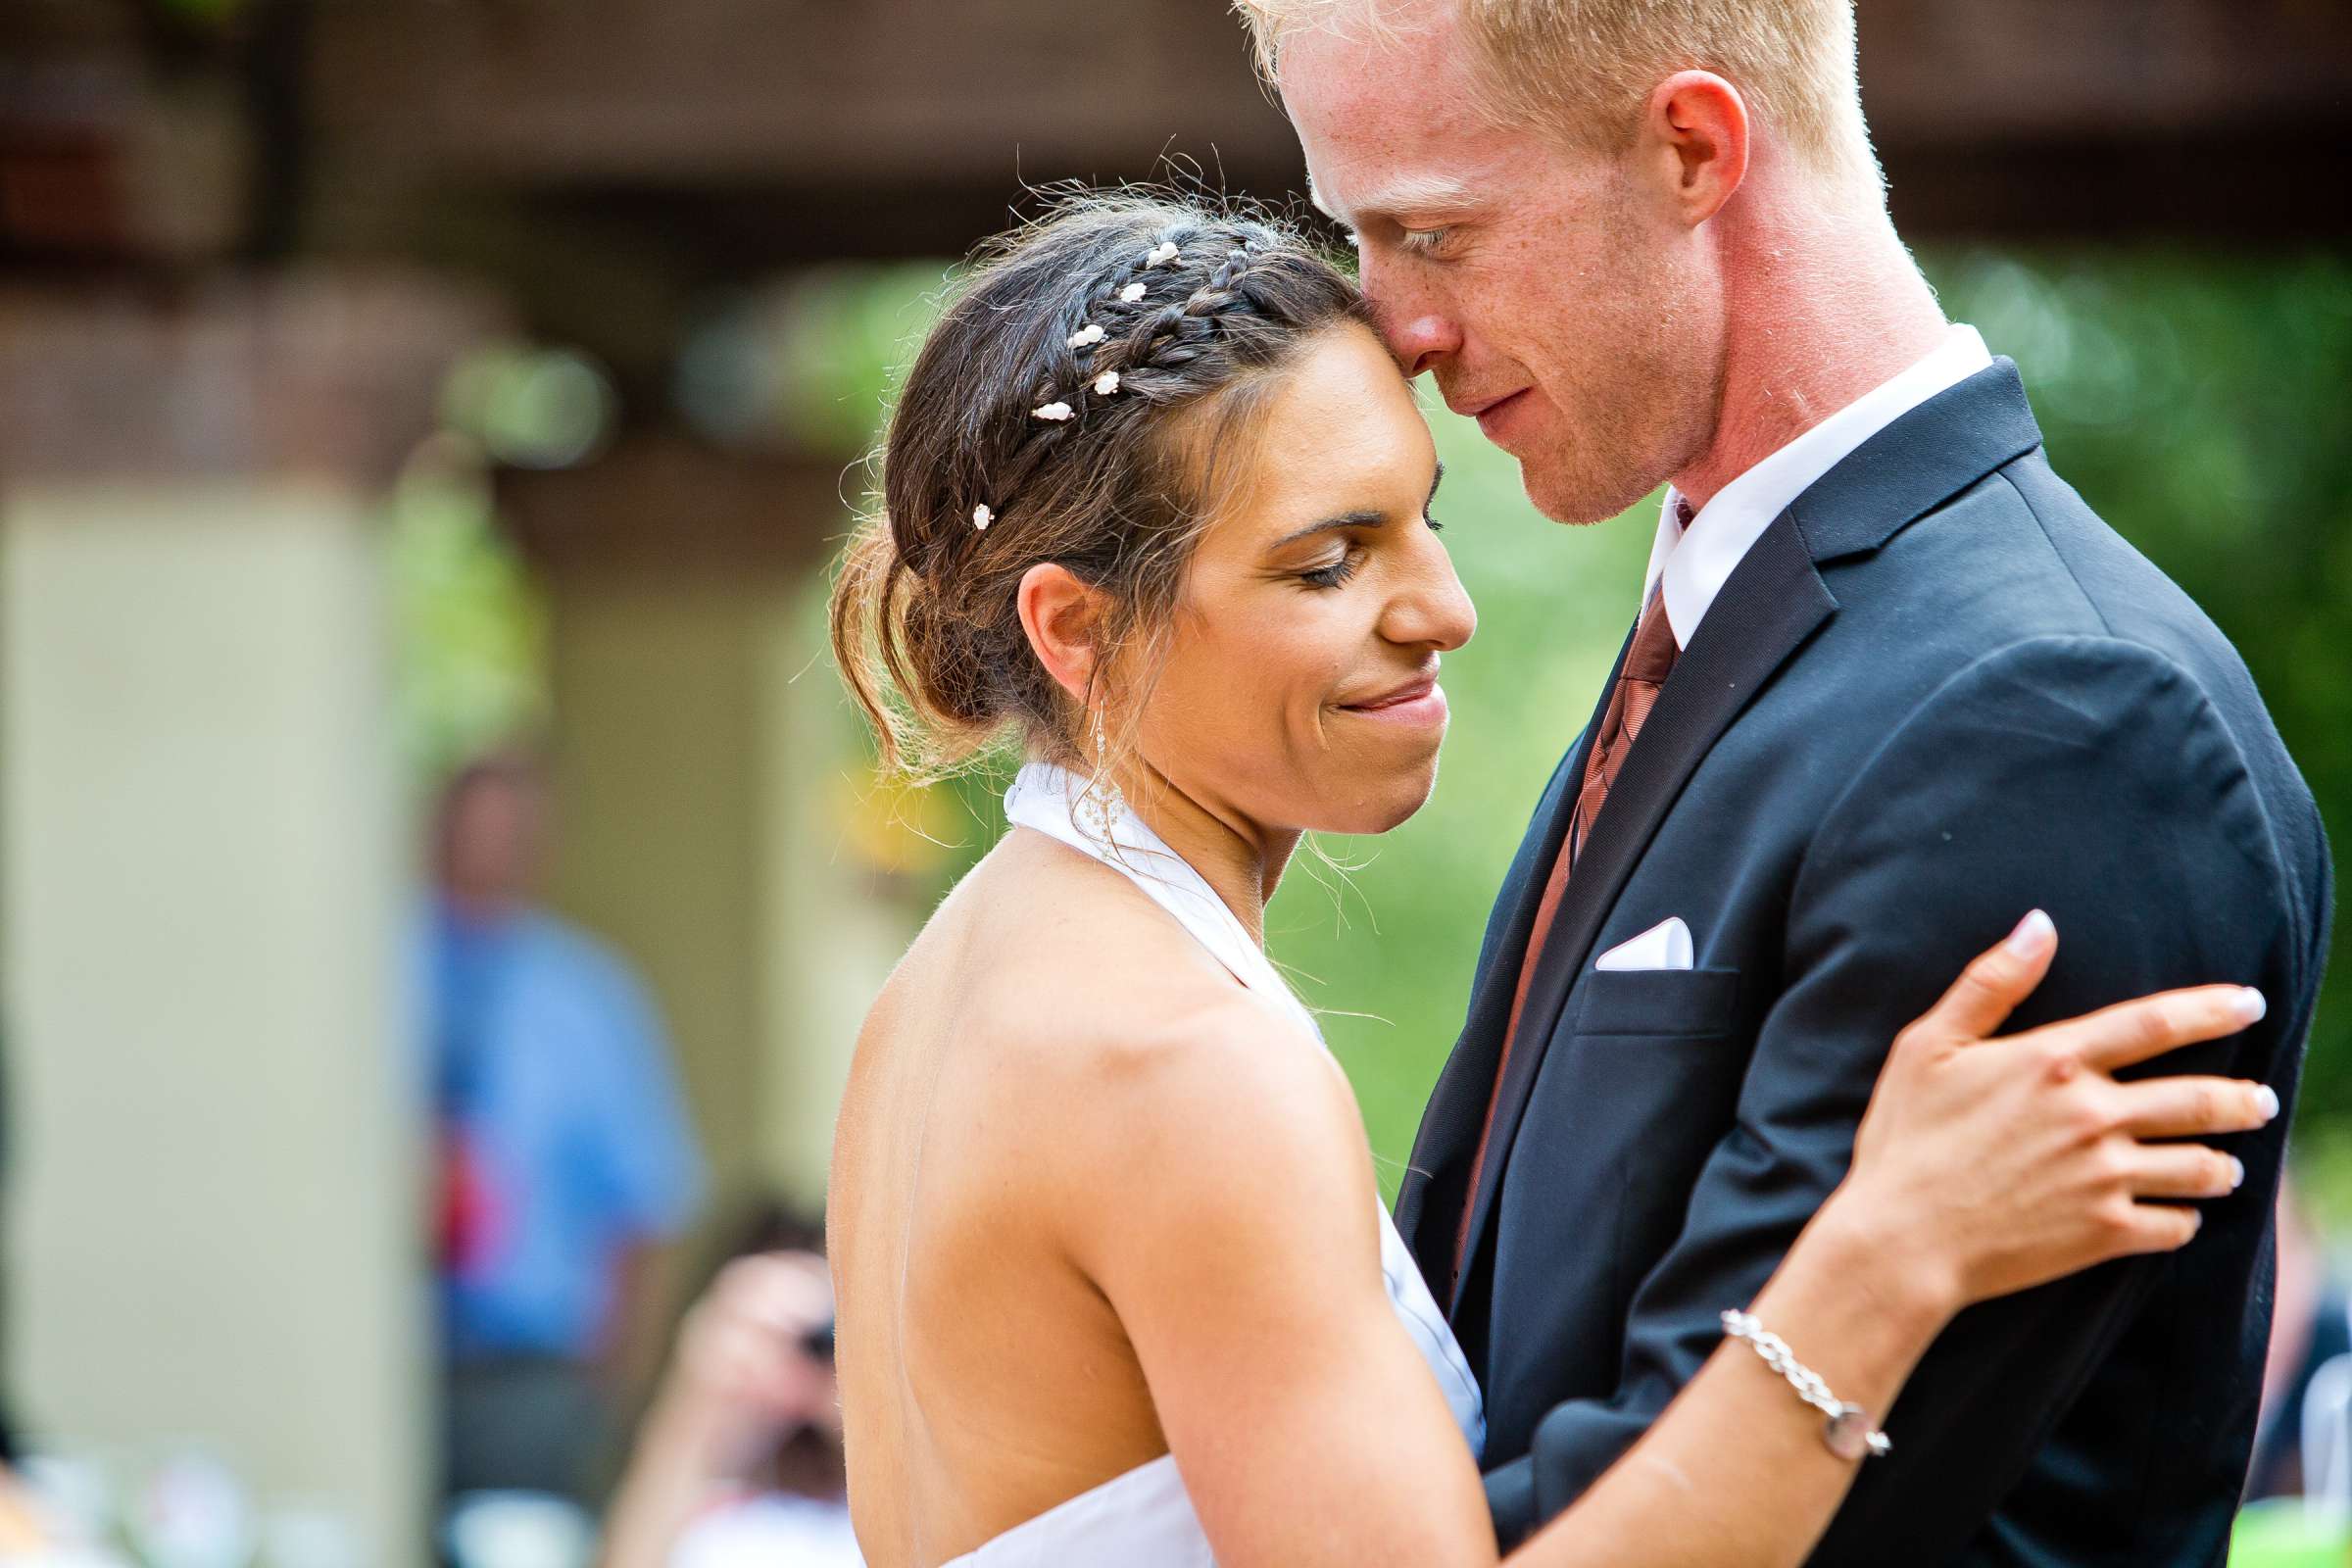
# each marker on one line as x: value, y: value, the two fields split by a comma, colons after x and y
x: 469, y: 627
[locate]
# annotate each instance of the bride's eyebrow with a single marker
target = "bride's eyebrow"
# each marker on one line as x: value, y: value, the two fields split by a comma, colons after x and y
x: 1362, y: 517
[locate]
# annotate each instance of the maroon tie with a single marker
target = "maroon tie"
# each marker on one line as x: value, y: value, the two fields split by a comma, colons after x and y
x: 1648, y: 663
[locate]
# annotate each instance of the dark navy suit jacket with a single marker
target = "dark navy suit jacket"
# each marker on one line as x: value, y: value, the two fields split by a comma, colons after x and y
x: 1936, y: 693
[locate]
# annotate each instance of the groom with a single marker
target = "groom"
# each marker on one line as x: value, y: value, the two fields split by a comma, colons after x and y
x: 1891, y: 685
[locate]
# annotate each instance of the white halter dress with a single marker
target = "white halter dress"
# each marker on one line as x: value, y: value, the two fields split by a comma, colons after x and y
x: 1144, y: 1519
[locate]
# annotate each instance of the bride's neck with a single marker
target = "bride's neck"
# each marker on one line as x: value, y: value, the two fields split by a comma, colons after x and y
x: 1241, y: 860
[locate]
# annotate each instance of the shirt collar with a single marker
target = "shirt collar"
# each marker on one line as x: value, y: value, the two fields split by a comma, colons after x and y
x: 1691, y: 566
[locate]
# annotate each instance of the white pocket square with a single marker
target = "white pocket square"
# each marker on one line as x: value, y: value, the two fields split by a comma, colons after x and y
x: 1665, y: 945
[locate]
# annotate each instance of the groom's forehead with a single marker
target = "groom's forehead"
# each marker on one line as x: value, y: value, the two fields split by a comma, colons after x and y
x: 1381, y: 117
x: 1339, y: 70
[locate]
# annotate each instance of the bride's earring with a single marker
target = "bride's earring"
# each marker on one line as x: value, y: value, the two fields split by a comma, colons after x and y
x: 1099, y: 806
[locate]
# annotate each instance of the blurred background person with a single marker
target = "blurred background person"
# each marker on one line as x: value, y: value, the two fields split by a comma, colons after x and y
x: 738, y: 1461
x: 2311, y: 1325
x: 565, y: 1156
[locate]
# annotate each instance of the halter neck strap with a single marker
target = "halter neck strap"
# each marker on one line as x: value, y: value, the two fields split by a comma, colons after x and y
x: 1096, y: 822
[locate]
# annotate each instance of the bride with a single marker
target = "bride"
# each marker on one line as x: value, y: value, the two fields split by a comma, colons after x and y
x: 1115, y: 1286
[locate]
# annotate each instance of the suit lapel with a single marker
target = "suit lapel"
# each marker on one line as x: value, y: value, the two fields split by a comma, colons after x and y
x: 1770, y: 605
x: 1429, y: 1202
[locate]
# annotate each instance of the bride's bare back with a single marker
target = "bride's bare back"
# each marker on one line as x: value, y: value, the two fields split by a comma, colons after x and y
x: 985, y: 1378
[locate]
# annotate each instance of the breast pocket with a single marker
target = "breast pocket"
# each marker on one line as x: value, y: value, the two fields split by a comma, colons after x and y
x: 1685, y: 1004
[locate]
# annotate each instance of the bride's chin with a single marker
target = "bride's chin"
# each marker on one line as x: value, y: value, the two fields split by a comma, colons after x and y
x: 1389, y: 803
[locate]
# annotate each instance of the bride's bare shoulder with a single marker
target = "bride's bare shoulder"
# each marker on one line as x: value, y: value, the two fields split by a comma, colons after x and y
x: 1098, y: 1004
x: 1117, y: 1085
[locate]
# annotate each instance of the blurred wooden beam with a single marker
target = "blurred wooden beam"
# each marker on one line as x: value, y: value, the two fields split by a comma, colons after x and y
x: 899, y: 122
x: 2236, y: 193
x: 662, y: 506
x: 323, y: 373
x: 835, y: 92
x: 1996, y: 74
x: 872, y: 93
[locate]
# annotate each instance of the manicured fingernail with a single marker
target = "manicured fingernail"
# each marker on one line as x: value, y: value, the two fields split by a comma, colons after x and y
x: 2237, y: 1173
x: 2252, y: 1004
x: 2265, y: 1100
x: 2032, y: 934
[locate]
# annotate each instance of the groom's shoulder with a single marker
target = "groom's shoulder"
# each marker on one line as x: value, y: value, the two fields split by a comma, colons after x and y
x: 2016, y: 592
x: 2020, y: 559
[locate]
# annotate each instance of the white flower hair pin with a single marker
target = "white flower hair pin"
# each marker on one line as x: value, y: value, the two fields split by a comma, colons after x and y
x: 1132, y: 292
x: 1053, y: 412
x: 982, y: 516
x: 1087, y: 336
x: 1161, y: 254
x: 1106, y: 383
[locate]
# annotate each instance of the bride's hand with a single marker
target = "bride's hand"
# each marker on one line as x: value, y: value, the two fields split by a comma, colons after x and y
x: 1999, y: 1165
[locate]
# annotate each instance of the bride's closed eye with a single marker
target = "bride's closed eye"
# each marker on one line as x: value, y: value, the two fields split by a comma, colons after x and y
x: 1335, y: 574
x: 1341, y: 570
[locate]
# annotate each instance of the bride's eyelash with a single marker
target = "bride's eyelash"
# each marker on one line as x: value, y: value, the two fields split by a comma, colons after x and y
x: 1339, y: 572
x: 1332, y: 576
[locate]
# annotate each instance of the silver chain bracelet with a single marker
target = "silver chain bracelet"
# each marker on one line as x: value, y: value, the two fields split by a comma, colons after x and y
x: 1849, y: 1431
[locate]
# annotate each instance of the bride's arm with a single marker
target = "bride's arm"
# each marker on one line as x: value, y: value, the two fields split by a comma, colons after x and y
x: 1226, y: 1206
x: 1229, y: 1219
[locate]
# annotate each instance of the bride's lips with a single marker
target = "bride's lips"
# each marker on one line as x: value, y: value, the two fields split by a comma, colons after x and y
x: 1419, y: 701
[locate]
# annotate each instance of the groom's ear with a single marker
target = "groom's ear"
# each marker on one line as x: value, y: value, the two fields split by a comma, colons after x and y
x: 1062, y: 617
x: 1696, y: 131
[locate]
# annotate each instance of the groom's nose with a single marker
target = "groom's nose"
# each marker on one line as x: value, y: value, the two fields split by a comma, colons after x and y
x: 1421, y: 340
x: 1417, y: 329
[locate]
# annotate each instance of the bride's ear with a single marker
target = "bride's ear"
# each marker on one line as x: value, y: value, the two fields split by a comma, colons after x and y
x: 1062, y: 617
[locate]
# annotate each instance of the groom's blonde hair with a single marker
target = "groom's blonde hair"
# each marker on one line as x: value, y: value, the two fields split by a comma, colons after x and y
x: 1584, y: 68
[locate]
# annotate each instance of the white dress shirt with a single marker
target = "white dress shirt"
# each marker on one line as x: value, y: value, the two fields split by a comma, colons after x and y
x: 1693, y: 565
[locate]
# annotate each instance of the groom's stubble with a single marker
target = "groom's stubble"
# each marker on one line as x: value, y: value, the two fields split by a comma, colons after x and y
x: 1638, y: 368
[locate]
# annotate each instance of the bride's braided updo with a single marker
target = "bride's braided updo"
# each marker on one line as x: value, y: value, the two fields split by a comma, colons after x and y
x: 1084, y: 400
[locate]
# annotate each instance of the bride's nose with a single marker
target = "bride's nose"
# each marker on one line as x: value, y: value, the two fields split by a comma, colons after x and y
x: 1431, y: 611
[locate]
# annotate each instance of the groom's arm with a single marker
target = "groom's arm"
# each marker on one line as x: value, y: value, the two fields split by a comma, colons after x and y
x: 2083, y: 777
